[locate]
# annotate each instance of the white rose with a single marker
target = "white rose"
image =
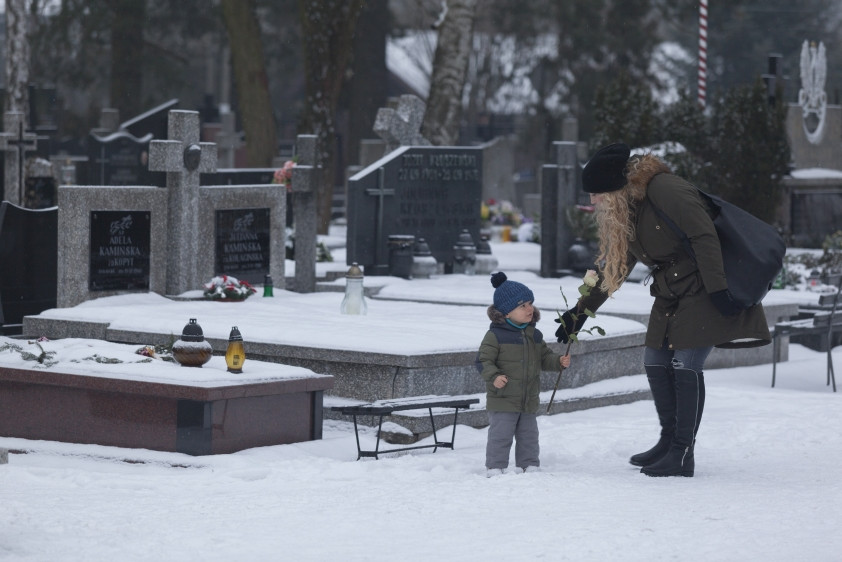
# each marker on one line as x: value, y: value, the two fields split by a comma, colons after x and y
x: 590, y: 278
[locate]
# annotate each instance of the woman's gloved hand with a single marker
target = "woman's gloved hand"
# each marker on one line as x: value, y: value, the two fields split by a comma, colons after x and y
x: 568, y: 325
x: 724, y: 303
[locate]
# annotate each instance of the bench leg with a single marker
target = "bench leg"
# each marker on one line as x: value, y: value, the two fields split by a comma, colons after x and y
x: 433, y: 424
x: 357, y: 435
x: 831, y: 376
x: 776, y: 348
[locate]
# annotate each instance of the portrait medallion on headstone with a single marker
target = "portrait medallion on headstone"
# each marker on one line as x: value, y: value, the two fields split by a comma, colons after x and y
x: 120, y: 243
x: 242, y: 243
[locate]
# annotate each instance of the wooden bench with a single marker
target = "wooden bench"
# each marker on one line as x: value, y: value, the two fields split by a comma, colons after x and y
x: 383, y: 408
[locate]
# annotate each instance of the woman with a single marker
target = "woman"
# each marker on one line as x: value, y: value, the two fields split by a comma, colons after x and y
x: 693, y: 310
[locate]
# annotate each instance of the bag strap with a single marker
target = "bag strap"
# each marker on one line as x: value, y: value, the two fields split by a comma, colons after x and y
x: 685, y: 241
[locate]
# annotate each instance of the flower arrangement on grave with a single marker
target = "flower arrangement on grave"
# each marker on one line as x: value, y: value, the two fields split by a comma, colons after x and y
x: 283, y: 176
x: 225, y: 287
x: 500, y: 213
x: 589, y: 281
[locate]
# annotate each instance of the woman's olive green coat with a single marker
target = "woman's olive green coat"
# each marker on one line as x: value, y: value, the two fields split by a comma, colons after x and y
x: 683, y: 315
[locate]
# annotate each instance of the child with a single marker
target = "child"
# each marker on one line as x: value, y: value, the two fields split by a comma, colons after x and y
x: 510, y: 359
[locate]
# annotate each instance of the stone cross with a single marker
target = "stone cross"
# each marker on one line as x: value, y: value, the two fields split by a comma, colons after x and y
x: 401, y: 126
x: 304, y: 213
x: 183, y: 157
x: 228, y: 140
x: 380, y: 192
x: 15, y: 142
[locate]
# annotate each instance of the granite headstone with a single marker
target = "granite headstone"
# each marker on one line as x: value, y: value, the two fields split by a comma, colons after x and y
x: 429, y: 192
x: 28, y: 252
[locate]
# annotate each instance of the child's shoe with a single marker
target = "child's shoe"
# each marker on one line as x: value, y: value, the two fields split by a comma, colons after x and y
x: 489, y: 472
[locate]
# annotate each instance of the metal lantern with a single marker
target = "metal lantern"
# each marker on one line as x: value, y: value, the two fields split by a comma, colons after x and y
x: 354, y: 300
x: 235, y: 355
x: 465, y: 254
x: 192, y: 350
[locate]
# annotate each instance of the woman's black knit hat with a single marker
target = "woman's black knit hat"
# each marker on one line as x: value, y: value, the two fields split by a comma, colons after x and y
x: 605, y: 171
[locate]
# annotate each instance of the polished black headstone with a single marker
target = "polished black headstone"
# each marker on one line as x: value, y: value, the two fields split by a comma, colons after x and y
x: 243, y: 243
x: 119, y: 256
x: 29, y: 254
x: 430, y: 192
x: 119, y: 159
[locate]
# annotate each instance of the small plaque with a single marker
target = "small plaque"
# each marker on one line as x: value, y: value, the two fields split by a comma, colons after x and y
x: 120, y: 243
x: 242, y: 243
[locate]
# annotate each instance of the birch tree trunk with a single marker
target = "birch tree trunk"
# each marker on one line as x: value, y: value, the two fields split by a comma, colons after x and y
x: 17, y: 57
x: 450, y: 67
x: 249, y: 64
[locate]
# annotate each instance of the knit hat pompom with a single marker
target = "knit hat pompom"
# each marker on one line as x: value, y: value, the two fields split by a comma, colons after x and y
x: 497, y: 279
x: 509, y: 295
x: 606, y: 170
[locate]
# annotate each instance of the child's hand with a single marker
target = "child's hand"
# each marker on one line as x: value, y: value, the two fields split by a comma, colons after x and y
x: 500, y: 381
x: 565, y: 361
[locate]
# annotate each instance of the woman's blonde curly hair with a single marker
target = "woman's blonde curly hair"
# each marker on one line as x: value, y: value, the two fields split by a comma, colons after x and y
x: 615, y: 215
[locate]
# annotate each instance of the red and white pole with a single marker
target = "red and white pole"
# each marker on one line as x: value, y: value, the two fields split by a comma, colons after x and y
x: 703, y: 50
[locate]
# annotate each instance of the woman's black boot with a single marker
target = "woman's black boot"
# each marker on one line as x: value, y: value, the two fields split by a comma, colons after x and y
x: 662, y: 385
x: 690, y: 401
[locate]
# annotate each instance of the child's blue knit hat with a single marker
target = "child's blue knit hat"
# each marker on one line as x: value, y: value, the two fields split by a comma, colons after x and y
x: 509, y: 295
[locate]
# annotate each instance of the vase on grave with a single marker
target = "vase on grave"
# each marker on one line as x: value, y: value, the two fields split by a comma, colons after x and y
x: 486, y: 262
x: 400, y: 255
x: 192, y: 350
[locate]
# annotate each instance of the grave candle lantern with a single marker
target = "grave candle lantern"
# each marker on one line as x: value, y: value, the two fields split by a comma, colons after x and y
x: 268, y: 286
x: 354, y: 300
x: 235, y: 355
x: 192, y: 350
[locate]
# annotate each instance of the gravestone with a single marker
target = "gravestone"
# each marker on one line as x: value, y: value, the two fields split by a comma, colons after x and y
x: 183, y: 157
x: 559, y: 191
x: 114, y: 240
x: 401, y: 125
x: 243, y: 243
x: 120, y: 245
x: 814, y: 203
x: 15, y: 141
x: 118, y: 159
x: 228, y: 140
x: 28, y: 252
x: 153, y: 122
x: 304, y: 213
x: 40, y: 185
x: 429, y: 192
x: 254, y: 218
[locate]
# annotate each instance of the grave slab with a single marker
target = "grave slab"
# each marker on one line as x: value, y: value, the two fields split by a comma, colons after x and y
x: 165, y: 407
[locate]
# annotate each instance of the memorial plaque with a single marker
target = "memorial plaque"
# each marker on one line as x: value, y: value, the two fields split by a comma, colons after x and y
x: 242, y: 243
x: 119, y: 257
x: 430, y: 192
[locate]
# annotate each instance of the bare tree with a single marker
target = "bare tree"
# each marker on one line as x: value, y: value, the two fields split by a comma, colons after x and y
x: 249, y: 64
x: 328, y: 29
x: 450, y: 68
x: 17, y: 56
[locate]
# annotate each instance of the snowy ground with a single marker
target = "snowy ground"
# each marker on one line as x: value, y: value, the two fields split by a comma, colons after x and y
x: 766, y: 488
x: 766, y: 485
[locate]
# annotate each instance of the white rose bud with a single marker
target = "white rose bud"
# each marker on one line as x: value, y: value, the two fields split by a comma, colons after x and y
x: 590, y: 278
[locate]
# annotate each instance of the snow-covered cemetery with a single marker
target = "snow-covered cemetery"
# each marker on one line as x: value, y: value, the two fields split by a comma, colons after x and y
x: 418, y: 279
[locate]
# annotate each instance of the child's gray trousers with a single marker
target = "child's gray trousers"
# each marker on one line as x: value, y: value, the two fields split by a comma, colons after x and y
x: 502, y: 428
